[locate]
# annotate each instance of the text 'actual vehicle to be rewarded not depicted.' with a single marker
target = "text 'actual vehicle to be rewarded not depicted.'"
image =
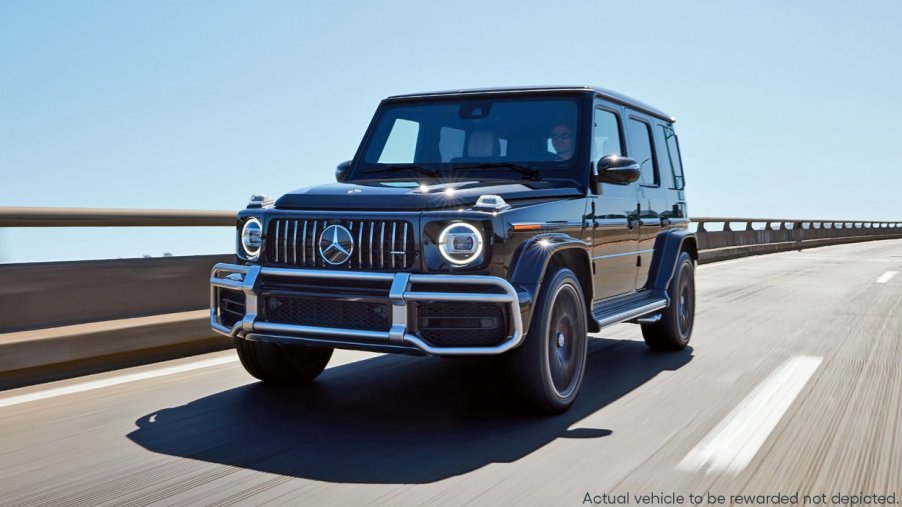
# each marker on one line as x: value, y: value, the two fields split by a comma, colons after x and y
x: 505, y: 223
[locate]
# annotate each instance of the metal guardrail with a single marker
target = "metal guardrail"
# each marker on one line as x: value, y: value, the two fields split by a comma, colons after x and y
x: 103, y: 217
x: 741, y: 237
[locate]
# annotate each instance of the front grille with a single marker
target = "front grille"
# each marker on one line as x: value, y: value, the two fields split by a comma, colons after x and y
x: 462, y: 325
x: 378, y: 244
x: 328, y: 313
x: 231, y: 306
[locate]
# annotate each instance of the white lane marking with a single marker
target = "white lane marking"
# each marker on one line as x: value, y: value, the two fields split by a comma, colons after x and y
x: 112, y: 381
x: 732, y: 444
x: 886, y: 276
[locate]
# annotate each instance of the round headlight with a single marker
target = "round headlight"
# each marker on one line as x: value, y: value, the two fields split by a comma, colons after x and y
x: 251, y: 238
x: 460, y: 243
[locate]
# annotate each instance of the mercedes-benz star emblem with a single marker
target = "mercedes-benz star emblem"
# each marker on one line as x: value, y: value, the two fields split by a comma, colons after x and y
x: 336, y: 244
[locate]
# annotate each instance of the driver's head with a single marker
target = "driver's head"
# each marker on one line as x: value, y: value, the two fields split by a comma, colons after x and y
x: 562, y: 140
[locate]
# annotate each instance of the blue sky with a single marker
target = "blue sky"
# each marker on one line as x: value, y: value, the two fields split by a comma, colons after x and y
x: 783, y: 108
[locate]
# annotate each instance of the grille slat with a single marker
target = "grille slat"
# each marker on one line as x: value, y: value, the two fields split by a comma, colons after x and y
x: 391, y: 249
x: 404, y: 247
x: 373, y: 241
x: 360, y: 246
x: 372, y: 227
x: 382, y: 246
x: 313, y: 244
x: 294, y: 244
x: 304, y: 245
x: 276, y: 240
x: 285, y: 242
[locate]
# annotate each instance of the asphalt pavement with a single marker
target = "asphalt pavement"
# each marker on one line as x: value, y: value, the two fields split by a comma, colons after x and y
x: 791, y: 386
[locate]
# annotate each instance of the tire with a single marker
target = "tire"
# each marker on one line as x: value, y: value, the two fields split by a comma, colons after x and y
x: 674, y: 329
x: 282, y: 364
x: 547, y: 370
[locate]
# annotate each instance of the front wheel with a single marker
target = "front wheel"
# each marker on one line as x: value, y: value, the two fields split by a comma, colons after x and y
x: 674, y: 329
x: 548, y: 368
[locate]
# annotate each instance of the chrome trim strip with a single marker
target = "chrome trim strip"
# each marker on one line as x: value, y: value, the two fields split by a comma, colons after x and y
x: 400, y: 292
x: 632, y: 314
x: 320, y: 331
x: 634, y: 252
x: 459, y: 296
x: 549, y: 225
x: 611, y: 221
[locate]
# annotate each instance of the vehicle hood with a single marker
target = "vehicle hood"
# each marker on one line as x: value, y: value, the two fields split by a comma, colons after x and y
x: 401, y: 196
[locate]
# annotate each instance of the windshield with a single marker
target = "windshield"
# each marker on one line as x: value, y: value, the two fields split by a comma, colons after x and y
x: 505, y: 138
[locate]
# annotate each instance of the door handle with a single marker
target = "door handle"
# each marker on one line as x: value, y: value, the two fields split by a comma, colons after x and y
x: 633, y: 220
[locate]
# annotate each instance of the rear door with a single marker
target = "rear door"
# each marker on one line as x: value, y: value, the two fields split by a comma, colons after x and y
x: 652, y: 202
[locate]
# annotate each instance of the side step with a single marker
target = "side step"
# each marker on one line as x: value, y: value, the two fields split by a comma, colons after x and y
x: 614, y: 312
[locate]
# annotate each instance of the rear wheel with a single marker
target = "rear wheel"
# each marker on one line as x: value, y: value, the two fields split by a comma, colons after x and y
x: 674, y: 329
x: 282, y: 364
x: 548, y: 368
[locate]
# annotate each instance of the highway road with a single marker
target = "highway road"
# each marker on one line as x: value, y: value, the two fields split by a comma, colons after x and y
x: 791, y: 385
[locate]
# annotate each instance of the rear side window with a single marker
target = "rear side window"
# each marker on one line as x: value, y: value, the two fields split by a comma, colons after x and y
x: 640, y: 144
x: 673, y: 157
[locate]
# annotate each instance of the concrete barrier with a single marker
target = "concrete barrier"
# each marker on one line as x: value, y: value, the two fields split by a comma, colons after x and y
x: 42, y: 355
x: 51, y: 294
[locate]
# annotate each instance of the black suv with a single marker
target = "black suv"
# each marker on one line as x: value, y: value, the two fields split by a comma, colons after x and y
x: 506, y: 223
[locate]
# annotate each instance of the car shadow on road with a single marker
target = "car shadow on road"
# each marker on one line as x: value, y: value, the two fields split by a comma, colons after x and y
x: 391, y: 419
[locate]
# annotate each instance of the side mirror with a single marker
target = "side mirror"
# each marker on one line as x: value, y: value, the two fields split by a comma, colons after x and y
x: 617, y: 169
x: 341, y: 170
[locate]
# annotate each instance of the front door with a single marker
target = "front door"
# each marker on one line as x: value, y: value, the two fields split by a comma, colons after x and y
x: 615, y: 220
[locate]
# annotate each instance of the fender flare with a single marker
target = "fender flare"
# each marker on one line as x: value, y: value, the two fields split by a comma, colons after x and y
x: 530, y: 263
x: 668, y: 246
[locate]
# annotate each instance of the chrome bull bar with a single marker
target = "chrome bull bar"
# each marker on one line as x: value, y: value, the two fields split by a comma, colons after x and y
x: 247, y: 280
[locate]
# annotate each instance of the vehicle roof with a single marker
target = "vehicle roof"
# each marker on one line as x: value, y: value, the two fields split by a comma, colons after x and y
x: 603, y: 92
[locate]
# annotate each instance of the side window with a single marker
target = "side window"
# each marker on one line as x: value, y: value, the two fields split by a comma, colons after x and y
x: 606, y: 138
x: 401, y: 145
x: 673, y: 153
x: 640, y: 150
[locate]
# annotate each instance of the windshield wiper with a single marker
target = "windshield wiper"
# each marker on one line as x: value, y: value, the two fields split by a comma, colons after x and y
x: 432, y: 173
x: 529, y: 172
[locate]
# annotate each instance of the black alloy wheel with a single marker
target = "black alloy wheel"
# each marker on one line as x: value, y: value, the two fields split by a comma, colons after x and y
x: 548, y: 368
x: 674, y: 329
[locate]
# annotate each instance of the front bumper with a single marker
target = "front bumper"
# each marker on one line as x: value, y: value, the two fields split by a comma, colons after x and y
x: 399, y: 337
